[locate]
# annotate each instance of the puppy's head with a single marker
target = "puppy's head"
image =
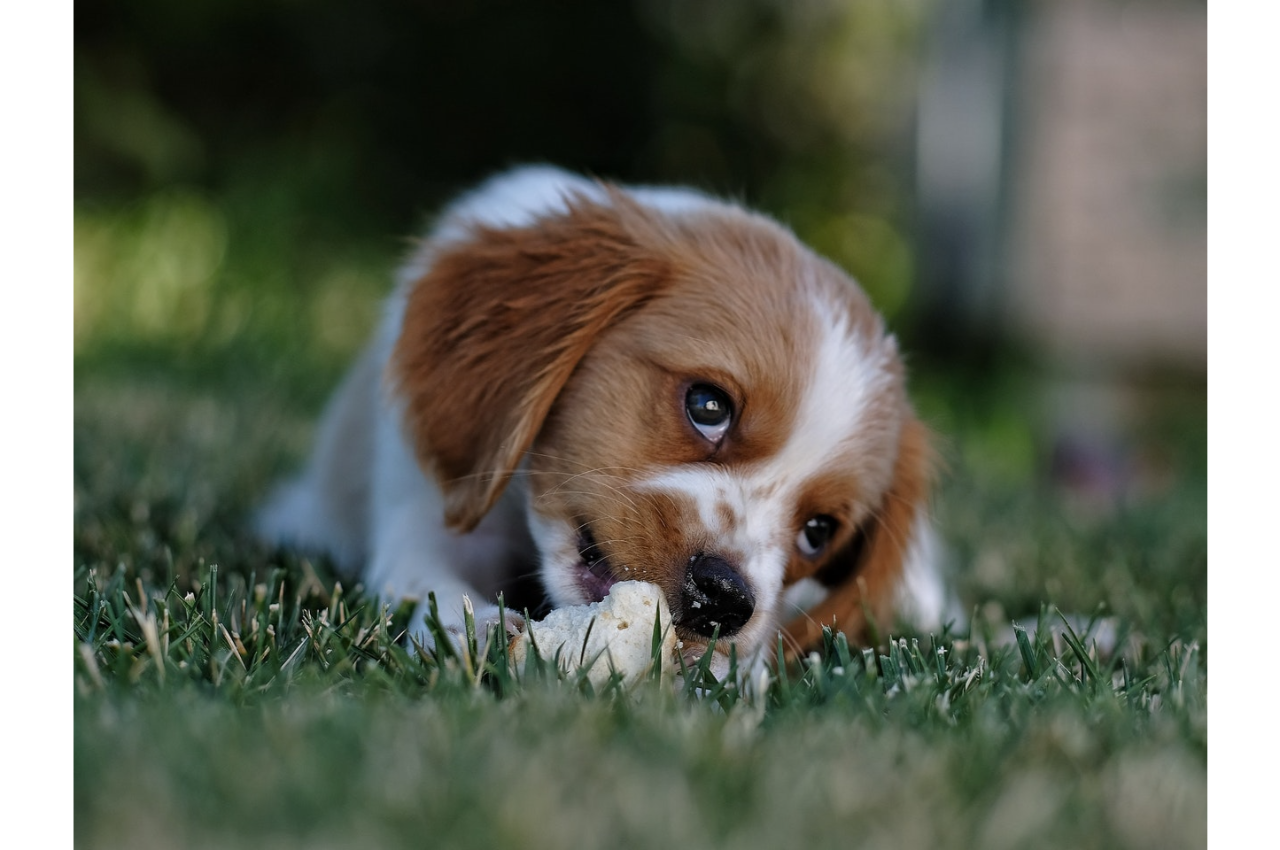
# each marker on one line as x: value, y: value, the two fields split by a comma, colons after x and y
x: 698, y: 401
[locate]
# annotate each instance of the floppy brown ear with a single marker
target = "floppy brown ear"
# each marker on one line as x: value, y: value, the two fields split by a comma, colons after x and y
x: 493, y: 330
x: 865, y: 575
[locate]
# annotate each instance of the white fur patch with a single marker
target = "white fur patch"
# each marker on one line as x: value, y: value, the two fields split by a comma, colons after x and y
x: 923, y: 597
x: 557, y: 543
x: 838, y: 412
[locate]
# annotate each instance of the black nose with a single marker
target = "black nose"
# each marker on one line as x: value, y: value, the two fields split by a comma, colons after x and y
x: 715, y: 594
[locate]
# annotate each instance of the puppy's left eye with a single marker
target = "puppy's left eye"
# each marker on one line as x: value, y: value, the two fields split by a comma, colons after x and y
x: 710, y: 410
x: 813, y: 538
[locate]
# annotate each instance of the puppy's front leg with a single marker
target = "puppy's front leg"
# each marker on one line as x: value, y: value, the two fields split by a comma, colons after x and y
x: 414, y: 555
x: 411, y: 551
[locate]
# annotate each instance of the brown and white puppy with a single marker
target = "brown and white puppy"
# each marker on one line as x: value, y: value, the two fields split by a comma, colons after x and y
x: 609, y: 383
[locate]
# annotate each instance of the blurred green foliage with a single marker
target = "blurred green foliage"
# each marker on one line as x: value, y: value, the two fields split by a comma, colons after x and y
x: 243, y: 167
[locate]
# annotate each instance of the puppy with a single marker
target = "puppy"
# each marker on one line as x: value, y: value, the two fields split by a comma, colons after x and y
x: 603, y: 384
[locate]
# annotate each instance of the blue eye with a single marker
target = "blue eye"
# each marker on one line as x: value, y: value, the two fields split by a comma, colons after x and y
x: 709, y: 410
x: 813, y: 537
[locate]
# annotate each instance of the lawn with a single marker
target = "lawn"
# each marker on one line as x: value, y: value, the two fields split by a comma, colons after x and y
x: 227, y: 694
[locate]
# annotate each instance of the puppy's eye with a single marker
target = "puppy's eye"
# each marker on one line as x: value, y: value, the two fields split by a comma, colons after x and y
x: 709, y: 410
x: 813, y: 538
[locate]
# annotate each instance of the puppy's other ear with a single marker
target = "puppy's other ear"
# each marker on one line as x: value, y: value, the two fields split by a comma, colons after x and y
x: 864, y: 576
x: 494, y: 329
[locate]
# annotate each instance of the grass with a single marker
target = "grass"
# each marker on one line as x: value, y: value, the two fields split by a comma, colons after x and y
x: 228, y: 694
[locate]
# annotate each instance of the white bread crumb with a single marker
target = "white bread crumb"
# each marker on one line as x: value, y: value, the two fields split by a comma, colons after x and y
x: 621, y: 637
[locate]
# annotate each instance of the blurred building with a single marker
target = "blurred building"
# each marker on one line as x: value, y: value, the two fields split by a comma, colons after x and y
x: 1062, y: 179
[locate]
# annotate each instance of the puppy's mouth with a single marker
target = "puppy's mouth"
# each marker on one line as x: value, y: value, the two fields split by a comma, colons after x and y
x: 595, y: 576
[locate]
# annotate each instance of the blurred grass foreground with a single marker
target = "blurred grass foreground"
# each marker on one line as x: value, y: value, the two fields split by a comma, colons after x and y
x: 247, y: 177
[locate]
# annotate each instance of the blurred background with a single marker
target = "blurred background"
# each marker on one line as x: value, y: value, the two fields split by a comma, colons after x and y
x: 1020, y: 186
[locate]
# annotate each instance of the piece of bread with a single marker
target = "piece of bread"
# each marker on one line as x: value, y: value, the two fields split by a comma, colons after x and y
x: 617, y: 632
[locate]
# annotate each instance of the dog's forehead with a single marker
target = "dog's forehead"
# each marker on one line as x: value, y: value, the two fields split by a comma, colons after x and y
x: 849, y: 408
x: 793, y: 337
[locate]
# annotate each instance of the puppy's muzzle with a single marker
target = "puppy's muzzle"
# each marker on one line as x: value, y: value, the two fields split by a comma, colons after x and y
x: 715, y: 594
